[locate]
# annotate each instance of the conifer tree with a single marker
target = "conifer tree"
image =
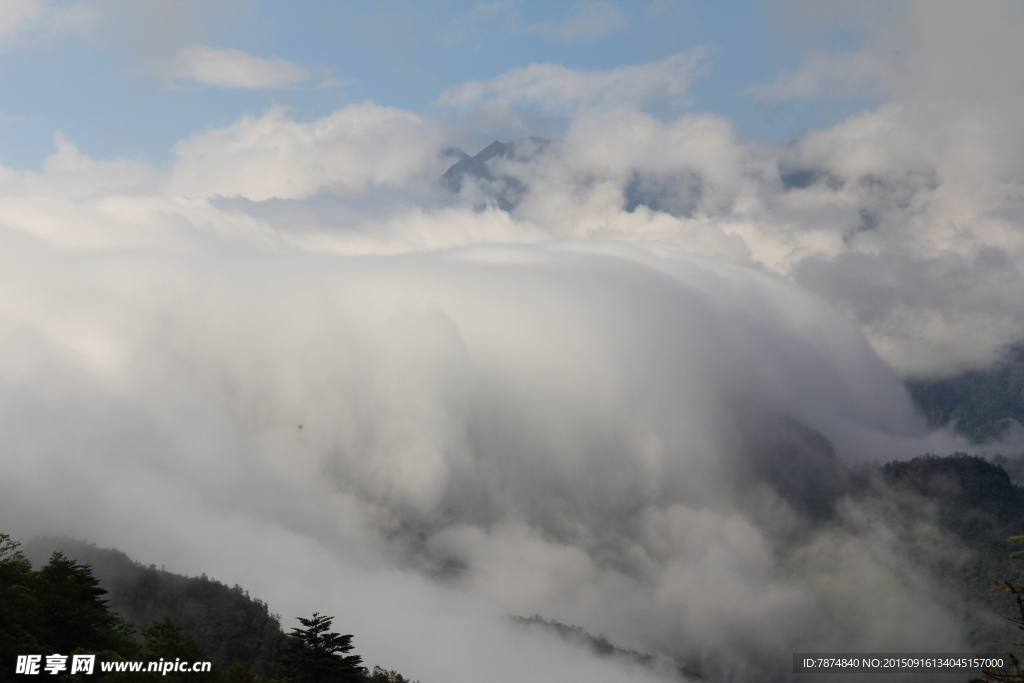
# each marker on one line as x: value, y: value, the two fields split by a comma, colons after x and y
x: 165, y: 641
x: 316, y: 655
x: 75, y: 615
x: 21, y: 615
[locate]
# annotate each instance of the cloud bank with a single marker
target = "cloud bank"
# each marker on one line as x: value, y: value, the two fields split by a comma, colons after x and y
x: 550, y: 429
x: 292, y: 359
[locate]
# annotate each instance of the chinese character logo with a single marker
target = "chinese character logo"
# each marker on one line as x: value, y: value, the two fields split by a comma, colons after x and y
x: 28, y: 664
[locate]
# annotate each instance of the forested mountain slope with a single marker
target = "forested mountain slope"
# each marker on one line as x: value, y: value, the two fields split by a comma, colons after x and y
x: 979, y: 401
x: 229, y: 624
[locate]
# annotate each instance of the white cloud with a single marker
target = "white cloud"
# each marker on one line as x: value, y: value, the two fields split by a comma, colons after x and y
x: 488, y: 408
x: 927, y: 183
x: 269, y: 156
x: 69, y: 174
x: 501, y: 412
x: 557, y: 89
x: 587, y: 21
x: 908, y: 194
x: 41, y: 22
x: 229, y: 68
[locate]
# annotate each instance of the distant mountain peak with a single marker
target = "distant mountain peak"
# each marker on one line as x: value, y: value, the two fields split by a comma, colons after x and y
x: 503, y: 189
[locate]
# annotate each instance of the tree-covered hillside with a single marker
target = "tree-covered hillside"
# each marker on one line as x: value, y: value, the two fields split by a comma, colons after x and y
x: 58, y: 616
x: 980, y: 401
x: 975, y: 503
x: 229, y: 624
x: 82, y: 600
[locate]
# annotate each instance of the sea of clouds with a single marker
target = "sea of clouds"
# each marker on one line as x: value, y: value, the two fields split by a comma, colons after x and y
x: 293, y: 359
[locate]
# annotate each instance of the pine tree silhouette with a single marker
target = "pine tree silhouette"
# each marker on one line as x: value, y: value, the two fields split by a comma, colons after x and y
x: 316, y: 655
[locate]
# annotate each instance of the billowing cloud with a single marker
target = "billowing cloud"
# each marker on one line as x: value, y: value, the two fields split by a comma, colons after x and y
x: 349, y: 373
x: 889, y: 185
x: 229, y: 68
x: 486, y: 430
x: 928, y: 182
x: 274, y: 156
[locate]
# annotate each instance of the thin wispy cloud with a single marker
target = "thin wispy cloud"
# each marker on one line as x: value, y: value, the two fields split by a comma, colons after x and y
x: 17, y: 14
x: 560, y: 90
x: 328, y: 83
x: 229, y: 68
x: 827, y: 75
x: 41, y: 23
x: 465, y: 26
x: 587, y: 21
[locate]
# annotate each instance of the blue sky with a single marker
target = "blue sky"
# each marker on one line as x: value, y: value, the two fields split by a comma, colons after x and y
x: 98, y: 79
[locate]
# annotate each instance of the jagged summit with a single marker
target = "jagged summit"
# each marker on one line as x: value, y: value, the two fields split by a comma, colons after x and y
x: 503, y: 189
